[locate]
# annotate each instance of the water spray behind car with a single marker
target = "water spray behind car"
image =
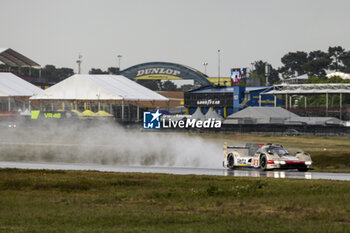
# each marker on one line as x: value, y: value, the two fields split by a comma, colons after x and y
x: 107, y: 143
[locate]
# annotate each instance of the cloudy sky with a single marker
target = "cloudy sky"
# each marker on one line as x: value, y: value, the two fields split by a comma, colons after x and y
x: 189, y: 32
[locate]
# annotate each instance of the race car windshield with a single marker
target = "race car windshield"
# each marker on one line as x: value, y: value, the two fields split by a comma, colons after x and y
x: 278, y: 150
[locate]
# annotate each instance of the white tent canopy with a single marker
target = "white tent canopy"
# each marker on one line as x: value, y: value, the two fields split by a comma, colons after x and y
x: 263, y: 112
x: 276, y: 115
x: 198, y: 115
x: 12, y: 85
x: 212, y: 114
x: 99, y: 87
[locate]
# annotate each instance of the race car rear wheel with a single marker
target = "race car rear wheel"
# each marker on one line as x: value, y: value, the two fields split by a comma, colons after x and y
x: 263, y: 162
x: 230, y: 161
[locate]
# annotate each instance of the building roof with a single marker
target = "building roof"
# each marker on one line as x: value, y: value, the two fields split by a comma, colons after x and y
x: 257, y: 88
x: 209, y: 89
x: 317, y: 88
x: 12, y: 58
x: 300, y: 77
x: 263, y: 112
x: 12, y: 85
x: 276, y: 115
x: 99, y: 87
x: 224, y: 89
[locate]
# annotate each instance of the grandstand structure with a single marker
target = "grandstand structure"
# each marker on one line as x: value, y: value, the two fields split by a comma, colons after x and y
x: 14, y: 59
x: 13, y: 62
x: 291, y: 92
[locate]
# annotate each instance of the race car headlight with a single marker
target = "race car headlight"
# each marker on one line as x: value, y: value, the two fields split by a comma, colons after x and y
x: 282, y: 162
x: 308, y: 162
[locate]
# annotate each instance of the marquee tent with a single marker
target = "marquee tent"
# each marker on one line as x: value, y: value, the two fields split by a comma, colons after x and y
x: 260, y: 115
x: 12, y: 85
x: 99, y: 87
x: 276, y: 115
x: 15, y: 92
x: 263, y: 112
x: 117, y: 90
x: 212, y: 114
x: 198, y: 115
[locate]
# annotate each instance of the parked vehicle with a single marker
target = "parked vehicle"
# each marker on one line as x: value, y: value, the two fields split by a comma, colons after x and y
x: 292, y: 132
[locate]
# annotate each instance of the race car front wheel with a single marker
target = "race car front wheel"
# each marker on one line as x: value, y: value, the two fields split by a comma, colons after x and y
x: 230, y: 161
x: 263, y: 162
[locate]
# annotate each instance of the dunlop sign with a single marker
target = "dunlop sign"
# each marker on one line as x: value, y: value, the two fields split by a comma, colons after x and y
x: 151, y: 71
x: 165, y: 71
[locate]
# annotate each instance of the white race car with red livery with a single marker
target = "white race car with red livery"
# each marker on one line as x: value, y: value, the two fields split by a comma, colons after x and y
x: 265, y: 156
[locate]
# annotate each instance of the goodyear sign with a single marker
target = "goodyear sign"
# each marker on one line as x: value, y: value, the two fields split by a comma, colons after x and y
x: 46, y: 115
x: 193, y: 99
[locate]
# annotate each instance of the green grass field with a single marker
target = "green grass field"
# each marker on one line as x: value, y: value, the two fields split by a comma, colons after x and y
x: 77, y: 201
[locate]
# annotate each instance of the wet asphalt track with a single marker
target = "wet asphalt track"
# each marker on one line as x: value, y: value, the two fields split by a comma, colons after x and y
x: 178, y: 170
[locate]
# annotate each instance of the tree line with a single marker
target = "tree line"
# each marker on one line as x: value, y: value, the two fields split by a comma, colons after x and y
x: 313, y: 63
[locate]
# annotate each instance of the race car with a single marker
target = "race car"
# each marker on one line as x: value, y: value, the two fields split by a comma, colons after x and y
x: 265, y: 156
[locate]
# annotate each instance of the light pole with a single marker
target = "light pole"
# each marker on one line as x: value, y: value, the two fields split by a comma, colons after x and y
x: 79, y: 61
x: 99, y: 105
x: 218, y: 67
x: 119, y: 58
x: 267, y: 73
x: 205, y: 67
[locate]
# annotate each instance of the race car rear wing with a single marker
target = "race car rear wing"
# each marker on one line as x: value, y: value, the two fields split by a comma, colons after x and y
x: 233, y: 147
x: 237, y: 147
x: 251, y: 147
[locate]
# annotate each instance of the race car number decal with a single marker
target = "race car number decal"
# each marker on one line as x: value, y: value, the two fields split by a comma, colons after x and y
x: 241, y: 161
